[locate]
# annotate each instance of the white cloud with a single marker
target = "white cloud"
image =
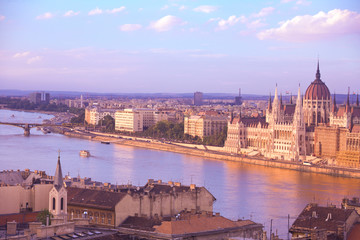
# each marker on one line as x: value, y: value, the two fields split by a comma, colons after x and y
x: 256, y: 24
x: 71, y: 13
x: 2, y: 17
x: 209, y: 55
x: 303, y: 2
x: 166, y: 23
x: 34, y: 59
x: 116, y: 10
x: 130, y: 27
x: 321, y: 25
x: 164, y: 7
x: 263, y: 12
x: 286, y: 1
x: 182, y: 7
x: 46, y: 15
x: 21, y: 54
x: 232, y: 20
x: 205, y: 9
x: 95, y: 11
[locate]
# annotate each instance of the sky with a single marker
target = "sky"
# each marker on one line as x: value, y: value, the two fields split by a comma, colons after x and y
x: 179, y: 46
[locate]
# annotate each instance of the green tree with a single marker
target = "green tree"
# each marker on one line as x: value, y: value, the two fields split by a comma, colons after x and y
x: 108, y: 123
x: 41, y: 217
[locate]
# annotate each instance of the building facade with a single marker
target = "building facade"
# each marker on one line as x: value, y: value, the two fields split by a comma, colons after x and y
x: 205, y: 125
x: 93, y: 115
x: 314, y: 126
x: 198, y: 98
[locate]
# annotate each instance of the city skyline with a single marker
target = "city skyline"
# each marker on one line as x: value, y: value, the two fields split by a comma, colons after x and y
x: 179, y: 46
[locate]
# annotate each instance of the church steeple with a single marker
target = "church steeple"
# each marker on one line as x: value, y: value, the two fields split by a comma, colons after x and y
x: 58, y: 178
x: 318, y: 75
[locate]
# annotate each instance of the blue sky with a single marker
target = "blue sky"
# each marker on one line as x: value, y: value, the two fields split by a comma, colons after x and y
x: 179, y: 45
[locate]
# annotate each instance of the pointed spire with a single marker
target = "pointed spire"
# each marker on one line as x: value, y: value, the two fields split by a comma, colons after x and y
x: 318, y: 71
x: 281, y: 99
x: 291, y: 101
x: 348, y: 101
x: 58, y: 178
x: 334, y: 104
x: 231, y: 116
x: 269, y: 104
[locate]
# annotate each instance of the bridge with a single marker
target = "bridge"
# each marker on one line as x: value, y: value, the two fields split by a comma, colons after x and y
x: 26, y: 126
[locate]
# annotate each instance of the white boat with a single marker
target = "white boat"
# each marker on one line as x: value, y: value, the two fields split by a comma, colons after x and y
x: 84, y: 153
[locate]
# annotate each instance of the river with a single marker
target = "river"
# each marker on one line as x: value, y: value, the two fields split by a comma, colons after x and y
x: 242, y: 191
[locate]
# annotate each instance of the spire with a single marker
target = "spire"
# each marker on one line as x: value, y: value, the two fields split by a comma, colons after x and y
x: 58, y: 178
x: 318, y: 72
x: 269, y: 104
x: 348, y: 101
x: 291, y: 102
x: 334, y: 104
x: 281, y: 99
x: 357, y: 99
x: 231, y: 116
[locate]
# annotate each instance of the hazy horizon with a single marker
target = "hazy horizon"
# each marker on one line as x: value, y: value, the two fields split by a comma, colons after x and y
x: 179, y: 46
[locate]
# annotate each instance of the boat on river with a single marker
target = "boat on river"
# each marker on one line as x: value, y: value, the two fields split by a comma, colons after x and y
x: 104, y: 142
x: 85, y: 153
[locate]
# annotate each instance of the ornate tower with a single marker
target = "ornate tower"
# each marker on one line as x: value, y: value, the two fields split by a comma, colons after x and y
x: 58, y: 195
x: 317, y: 101
x: 299, y: 128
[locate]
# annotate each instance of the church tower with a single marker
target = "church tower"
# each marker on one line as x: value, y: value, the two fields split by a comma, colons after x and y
x: 299, y: 128
x: 58, y: 195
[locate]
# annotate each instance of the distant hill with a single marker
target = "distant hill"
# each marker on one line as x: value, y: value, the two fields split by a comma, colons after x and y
x: 340, y: 98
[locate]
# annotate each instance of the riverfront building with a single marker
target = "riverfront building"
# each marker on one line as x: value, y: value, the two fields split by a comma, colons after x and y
x: 313, y: 126
x: 93, y: 115
x: 204, y: 125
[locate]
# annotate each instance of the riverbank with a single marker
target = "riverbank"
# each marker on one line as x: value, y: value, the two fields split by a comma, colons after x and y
x: 212, y: 154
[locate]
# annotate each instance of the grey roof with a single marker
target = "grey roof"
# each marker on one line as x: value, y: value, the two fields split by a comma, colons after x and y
x: 11, y: 178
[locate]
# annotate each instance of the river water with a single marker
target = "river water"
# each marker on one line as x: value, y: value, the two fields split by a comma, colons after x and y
x: 242, y: 190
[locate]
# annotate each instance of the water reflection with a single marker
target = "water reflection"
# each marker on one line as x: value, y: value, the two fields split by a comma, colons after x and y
x: 241, y: 190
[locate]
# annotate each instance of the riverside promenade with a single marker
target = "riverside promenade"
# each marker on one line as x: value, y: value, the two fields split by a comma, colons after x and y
x: 212, y: 153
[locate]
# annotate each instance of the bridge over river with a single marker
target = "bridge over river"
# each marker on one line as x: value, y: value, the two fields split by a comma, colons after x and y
x: 27, y: 126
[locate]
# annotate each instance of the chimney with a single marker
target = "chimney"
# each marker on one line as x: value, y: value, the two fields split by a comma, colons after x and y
x: 177, y: 184
x: 192, y: 186
x: 171, y: 183
x: 314, y: 214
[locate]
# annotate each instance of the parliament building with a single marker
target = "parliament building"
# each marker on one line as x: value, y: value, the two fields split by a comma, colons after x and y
x: 313, y: 126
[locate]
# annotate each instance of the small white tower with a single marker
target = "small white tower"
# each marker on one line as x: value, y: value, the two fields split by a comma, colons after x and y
x: 58, y: 195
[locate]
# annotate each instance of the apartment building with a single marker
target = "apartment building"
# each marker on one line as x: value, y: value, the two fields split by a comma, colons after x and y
x: 205, y: 125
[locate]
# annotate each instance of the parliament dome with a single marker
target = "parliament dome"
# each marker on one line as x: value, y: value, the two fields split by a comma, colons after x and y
x: 317, y: 89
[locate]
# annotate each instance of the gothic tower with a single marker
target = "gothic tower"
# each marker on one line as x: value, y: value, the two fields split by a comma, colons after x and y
x: 58, y: 194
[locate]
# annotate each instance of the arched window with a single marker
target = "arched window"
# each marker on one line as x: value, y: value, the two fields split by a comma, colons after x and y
x: 53, y: 203
x: 62, y: 204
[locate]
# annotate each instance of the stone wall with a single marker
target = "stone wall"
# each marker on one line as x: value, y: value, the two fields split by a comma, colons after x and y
x: 48, y: 231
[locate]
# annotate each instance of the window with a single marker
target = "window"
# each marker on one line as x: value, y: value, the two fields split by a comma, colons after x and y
x: 53, y: 203
x: 62, y: 204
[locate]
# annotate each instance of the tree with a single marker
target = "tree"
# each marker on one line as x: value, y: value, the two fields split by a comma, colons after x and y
x: 108, y: 122
x: 41, y: 217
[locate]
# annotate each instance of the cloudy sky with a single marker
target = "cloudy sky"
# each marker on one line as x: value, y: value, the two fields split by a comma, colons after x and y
x: 177, y: 46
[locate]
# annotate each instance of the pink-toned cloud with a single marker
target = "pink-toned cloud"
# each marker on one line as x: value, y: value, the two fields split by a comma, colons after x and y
x: 2, y: 17
x: 310, y: 27
x: 21, y: 54
x: 264, y: 12
x: 46, y: 15
x: 95, y: 11
x: 231, y: 21
x: 116, y: 10
x: 205, y: 9
x: 71, y: 13
x: 34, y: 59
x: 130, y: 27
x: 166, y: 23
